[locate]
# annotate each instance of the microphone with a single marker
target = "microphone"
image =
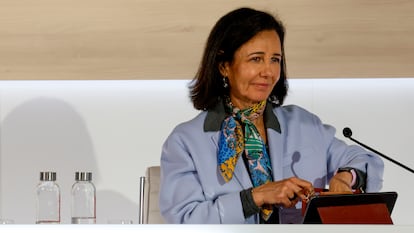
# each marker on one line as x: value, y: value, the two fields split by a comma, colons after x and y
x: 348, y: 133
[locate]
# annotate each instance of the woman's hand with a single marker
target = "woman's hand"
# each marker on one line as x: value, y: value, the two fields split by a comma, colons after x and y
x: 285, y: 192
x: 341, y: 182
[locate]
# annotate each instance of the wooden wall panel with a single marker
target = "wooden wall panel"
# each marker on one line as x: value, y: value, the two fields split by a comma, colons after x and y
x: 149, y: 39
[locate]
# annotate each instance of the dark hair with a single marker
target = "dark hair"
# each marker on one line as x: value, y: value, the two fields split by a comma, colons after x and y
x: 230, y: 33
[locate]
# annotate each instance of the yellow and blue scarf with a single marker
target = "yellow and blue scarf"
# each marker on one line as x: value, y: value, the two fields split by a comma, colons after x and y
x: 234, y: 141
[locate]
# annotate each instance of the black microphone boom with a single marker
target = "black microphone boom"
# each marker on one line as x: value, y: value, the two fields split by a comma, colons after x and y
x: 348, y: 133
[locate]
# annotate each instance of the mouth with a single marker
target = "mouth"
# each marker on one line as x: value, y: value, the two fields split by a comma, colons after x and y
x: 262, y: 85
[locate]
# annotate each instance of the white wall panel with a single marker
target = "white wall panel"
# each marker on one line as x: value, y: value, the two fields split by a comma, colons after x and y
x: 116, y: 129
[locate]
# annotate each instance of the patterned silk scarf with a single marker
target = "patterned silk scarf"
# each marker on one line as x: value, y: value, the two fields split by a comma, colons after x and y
x: 234, y: 141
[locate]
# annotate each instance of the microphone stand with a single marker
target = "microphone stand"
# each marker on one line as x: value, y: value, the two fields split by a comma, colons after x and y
x: 348, y: 133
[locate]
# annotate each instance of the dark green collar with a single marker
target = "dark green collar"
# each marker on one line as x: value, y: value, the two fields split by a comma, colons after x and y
x: 216, y: 116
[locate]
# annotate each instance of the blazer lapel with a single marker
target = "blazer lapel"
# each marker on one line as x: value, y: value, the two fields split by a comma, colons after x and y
x: 241, y: 174
x: 276, y: 153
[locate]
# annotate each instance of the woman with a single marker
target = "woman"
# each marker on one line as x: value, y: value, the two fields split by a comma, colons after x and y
x: 246, y: 158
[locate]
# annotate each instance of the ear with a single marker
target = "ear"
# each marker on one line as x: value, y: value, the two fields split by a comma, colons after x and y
x: 223, y: 67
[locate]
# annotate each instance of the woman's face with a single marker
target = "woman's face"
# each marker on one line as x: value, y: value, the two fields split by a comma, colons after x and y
x: 255, y: 69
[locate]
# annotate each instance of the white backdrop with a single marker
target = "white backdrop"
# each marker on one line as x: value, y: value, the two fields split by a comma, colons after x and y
x: 116, y: 128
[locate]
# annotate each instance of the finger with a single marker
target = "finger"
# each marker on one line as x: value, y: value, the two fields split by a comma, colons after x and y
x: 287, y: 203
x: 303, y: 184
x: 294, y: 197
x: 305, y: 194
x: 298, y: 183
x: 302, y: 188
x: 293, y: 202
x: 298, y: 191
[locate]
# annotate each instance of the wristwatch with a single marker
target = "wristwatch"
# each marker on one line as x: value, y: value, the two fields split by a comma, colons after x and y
x: 350, y: 170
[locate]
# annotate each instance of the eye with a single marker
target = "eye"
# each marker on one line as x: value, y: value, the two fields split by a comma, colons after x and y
x: 276, y: 59
x: 256, y: 59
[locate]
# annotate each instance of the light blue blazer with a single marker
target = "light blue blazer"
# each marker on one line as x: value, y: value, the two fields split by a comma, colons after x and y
x: 193, y: 191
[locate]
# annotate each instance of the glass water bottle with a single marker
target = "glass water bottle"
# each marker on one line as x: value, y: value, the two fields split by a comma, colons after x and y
x: 47, y: 199
x: 83, y: 201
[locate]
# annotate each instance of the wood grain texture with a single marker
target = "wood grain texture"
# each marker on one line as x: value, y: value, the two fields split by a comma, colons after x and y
x: 150, y: 39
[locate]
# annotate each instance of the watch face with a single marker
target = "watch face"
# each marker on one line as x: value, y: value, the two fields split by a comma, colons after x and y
x: 345, y: 169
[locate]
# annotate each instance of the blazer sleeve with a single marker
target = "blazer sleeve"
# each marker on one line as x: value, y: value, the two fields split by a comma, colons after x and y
x: 304, y: 129
x: 182, y: 197
x: 344, y: 155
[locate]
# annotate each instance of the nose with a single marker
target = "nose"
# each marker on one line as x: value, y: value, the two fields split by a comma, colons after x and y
x: 268, y: 70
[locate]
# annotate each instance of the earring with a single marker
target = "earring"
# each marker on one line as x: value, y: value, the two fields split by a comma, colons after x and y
x: 273, y: 99
x: 225, y: 82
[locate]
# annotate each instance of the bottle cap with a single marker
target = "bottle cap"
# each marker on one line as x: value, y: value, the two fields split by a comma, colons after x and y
x: 48, y: 176
x: 83, y: 176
